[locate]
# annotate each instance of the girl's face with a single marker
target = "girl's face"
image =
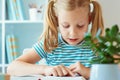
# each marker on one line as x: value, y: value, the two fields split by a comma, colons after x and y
x: 73, y: 25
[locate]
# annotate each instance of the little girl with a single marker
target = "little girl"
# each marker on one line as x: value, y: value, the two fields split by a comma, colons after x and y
x: 62, y: 42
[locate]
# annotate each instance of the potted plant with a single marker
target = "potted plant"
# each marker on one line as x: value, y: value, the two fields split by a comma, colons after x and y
x: 105, y: 48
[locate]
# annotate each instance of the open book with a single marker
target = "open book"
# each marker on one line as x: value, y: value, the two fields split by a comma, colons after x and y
x: 40, y: 77
x: 63, y: 78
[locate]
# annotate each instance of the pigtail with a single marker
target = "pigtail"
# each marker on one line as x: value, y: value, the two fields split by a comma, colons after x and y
x: 97, y: 19
x: 50, y: 30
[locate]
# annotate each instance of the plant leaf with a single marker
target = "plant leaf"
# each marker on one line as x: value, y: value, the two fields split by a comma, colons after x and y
x: 114, y: 31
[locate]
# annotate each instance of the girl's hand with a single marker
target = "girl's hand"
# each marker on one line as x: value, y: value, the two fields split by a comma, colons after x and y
x: 76, y: 68
x: 59, y: 70
x: 80, y: 69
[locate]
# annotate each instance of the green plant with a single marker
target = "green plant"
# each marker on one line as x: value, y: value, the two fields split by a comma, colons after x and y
x: 106, y: 46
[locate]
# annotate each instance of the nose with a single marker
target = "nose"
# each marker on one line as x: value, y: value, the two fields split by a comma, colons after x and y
x: 73, y: 33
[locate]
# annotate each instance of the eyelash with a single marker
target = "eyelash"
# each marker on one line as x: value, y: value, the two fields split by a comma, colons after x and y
x: 79, y: 26
x: 66, y: 26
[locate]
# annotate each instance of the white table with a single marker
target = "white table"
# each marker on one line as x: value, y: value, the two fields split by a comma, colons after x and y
x: 45, y: 78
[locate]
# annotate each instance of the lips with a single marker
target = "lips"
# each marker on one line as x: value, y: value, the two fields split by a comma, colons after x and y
x: 73, y: 40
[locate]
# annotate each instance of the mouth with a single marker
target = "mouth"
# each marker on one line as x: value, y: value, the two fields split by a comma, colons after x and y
x: 73, y: 40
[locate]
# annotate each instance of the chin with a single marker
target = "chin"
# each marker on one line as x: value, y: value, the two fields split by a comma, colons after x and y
x: 73, y: 44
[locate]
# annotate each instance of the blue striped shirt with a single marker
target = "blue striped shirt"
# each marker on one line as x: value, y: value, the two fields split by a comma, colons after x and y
x: 65, y: 54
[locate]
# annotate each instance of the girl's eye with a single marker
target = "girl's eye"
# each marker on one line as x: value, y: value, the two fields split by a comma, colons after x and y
x: 66, y: 26
x: 80, y: 26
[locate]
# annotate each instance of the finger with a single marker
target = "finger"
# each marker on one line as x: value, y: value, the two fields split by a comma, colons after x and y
x: 72, y: 67
x: 59, y: 70
x: 70, y: 72
x: 54, y: 72
x: 64, y: 70
x: 74, y: 70
x: 76, y: 74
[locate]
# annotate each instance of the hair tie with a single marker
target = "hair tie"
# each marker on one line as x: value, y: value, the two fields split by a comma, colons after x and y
x: 91, y: 10
x: 91, y: 6
x: 53, y: 0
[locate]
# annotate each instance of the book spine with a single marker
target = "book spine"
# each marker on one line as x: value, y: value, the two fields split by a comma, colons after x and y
x: 11, y: 11
x: 20, y: 10
x: 9, y: 49
x: 23, y: 9
x: 4, y: 76
x: 16, y: 9
x: 12, y: 48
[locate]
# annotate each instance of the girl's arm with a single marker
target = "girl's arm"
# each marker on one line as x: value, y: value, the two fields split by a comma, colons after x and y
x: 117, y: 57
x: 25, y: 64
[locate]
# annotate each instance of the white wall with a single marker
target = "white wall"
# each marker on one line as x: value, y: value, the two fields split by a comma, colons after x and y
x: 111, y: 12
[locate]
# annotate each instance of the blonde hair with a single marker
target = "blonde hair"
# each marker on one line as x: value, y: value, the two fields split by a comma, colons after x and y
x: 50, y: 33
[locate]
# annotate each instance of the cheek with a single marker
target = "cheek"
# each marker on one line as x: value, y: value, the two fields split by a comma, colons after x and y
x: 62, y: 30
x: 85, y: 29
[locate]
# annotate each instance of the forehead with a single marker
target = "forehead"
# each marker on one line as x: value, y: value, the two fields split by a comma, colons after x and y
x: 78, y: 14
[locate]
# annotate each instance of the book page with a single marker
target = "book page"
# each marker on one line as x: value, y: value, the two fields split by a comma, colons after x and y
x: 41, y: 77
x: 59, y: 78
x: 63, y: 78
